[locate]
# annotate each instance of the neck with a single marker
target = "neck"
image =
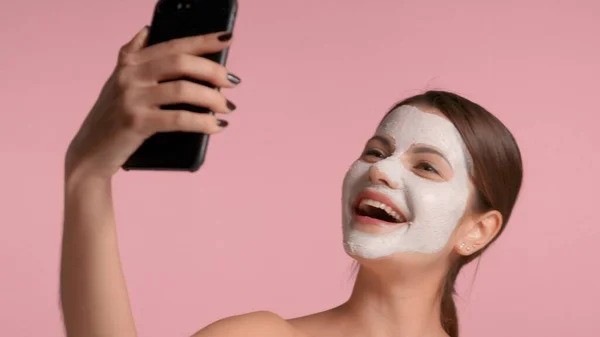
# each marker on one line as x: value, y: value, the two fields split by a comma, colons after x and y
x: 395, y: 305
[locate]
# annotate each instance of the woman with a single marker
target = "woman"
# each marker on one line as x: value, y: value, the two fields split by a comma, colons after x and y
x: 432, y: 189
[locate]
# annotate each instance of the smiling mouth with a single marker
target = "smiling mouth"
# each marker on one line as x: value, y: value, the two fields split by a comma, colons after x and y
x: 368, y: 207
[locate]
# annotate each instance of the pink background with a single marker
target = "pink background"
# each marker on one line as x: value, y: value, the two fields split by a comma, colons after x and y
x: 259, y: 226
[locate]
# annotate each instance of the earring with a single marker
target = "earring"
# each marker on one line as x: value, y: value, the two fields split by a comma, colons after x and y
x: 465, y: 247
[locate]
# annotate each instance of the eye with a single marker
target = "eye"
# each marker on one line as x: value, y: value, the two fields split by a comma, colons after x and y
x: 375, y: 153
x: 424, y: 166
x: 372, y: 155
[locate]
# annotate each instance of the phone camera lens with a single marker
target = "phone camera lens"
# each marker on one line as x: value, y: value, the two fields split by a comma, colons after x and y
x: 181, y: 5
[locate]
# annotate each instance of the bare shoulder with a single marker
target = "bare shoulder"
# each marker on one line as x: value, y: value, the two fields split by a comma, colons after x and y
x: 259, y: 323
x: 325, y: 323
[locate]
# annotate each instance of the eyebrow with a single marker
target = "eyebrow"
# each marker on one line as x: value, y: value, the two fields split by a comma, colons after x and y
x: 385, y: 140
x: 417, y: 149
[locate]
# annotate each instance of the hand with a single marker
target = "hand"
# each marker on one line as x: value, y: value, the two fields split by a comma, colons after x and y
x: 128, y: 109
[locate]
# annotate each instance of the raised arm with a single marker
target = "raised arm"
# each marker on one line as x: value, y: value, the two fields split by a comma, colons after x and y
x: 92, y: 286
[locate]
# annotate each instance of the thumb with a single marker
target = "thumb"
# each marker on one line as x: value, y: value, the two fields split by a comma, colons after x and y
x: 138, y: 42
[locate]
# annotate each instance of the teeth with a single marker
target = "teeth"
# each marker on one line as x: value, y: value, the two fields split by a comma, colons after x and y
x: 382, y: 206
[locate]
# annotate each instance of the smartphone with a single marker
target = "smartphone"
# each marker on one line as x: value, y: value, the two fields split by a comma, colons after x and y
x: 172, y: 19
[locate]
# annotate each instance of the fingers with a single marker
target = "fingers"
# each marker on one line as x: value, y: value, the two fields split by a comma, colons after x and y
x: 193, y: 45
x: 186, y: 92
x: 184, y: 65
x: 152, y: 77
x: 147, y: 122
x: 186, y: 121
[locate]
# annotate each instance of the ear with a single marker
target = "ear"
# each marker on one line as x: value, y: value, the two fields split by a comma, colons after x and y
x: 481, y: 232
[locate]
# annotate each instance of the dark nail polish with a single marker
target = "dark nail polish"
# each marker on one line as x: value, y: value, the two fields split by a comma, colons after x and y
x: 234, y: 79
x: 230, y: 105
x: 225, y: 37
x: 222, y: 123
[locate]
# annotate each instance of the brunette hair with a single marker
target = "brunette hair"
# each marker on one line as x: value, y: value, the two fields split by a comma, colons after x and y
x: 496, y: 172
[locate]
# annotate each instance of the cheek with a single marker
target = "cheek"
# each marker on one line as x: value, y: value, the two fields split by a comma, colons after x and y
x: 437, y: 202
x: 355, y: 178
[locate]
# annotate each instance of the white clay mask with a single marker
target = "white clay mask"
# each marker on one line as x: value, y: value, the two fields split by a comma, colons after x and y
x: 432, y: 208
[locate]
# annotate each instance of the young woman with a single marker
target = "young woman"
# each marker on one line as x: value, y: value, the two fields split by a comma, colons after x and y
x: 433, y: 187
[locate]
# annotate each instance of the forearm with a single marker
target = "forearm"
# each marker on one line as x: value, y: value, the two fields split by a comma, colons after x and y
x: 94, y: 295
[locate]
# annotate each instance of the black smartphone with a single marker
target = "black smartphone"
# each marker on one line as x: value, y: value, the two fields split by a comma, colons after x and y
x: 172, y: 19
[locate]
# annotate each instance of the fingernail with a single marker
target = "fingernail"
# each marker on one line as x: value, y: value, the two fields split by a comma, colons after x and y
x: 225, y: 37
x: 222, y: 123
x: 230, y: 105
x: 234, y: 79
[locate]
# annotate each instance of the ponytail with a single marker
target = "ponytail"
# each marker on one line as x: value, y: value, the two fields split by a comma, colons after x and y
x: 448, y: 314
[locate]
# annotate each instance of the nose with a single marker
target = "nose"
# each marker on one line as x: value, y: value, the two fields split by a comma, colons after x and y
x: 378, y: 177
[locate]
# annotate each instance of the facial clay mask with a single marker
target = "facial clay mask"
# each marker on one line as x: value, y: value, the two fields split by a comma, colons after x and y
x: 432, y: 208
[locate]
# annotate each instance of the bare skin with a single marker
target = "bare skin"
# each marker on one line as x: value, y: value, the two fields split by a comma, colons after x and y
x: 399, y: 295
x: 395, y: 296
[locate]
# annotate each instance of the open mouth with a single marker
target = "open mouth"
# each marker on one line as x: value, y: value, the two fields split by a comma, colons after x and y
x: 375, y: 206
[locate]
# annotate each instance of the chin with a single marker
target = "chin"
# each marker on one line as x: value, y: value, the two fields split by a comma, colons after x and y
x: 398, y: 260
x: 402, y: 265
